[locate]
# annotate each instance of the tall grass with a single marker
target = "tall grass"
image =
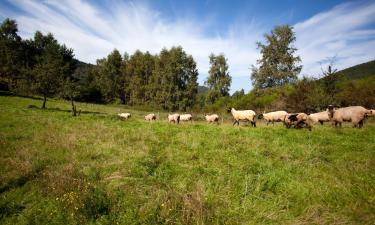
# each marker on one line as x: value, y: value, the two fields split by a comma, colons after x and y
x: 97, y: 169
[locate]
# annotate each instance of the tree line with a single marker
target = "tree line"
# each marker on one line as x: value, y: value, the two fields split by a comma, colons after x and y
x: 43, y: 66
x: 168, y: 80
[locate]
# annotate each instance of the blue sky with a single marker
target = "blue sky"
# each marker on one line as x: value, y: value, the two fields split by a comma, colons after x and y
x: 345, y: 29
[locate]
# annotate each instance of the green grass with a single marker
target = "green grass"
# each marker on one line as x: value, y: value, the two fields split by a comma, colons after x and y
x: 97, y: 169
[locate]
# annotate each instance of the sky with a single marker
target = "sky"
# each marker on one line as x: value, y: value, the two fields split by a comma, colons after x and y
x: 323, y: 28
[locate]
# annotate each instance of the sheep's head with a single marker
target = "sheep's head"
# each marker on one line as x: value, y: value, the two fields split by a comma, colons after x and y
x: 331, y: 110
x: 229, y: 109
x: 260, y: 116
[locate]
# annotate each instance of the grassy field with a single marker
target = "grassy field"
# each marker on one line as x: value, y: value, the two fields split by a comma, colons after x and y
x: 96, y: 169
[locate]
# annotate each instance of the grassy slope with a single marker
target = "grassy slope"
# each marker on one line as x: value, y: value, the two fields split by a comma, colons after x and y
x: 359, y: 71
x: 97, y: 169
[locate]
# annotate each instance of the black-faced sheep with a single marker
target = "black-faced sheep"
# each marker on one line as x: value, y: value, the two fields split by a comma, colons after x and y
x: 175, y: 118
x: 212, y: 118
x: 186, y: 117
x: 124, y: 116
x: 320, y: 117
x: 150, y: 117
x: 243, y: 115
x: 353, y: 114
x: 272, y: 117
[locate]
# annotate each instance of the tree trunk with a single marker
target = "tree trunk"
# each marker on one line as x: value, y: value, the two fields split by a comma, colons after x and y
x: 44, y: 102
x: 74, y: 110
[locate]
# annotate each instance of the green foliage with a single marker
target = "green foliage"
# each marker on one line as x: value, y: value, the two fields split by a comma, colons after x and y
x: 175, y: 80
x: 278, y: 65
x: 10, y: 53
x: 54, y: 64
x: 109, y: 74
x: 218, y: 80
x: 359, y: 71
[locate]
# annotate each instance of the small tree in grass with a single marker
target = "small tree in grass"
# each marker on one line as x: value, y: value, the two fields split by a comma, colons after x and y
x: 54, y: 63
x: 71, y: 90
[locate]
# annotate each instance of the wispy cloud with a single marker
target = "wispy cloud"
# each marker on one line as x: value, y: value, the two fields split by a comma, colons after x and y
x: 94, y: 31
x: 344, y: 31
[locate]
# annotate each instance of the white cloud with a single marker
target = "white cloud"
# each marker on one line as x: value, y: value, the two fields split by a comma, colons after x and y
x: 342, y: 31
x: 93, y: 32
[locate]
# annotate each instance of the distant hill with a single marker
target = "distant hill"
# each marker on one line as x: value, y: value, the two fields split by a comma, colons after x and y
x: 359, y: 71
x: 202, y: 89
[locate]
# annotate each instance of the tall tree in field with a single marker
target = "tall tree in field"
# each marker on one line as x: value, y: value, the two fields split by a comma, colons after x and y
x: 109, y: 74
x: 10, y: 52
x: 139, y: 71
x: 278, y: 65
x: 54, y: 63
x: 174, y: 79
x: 218, y: 80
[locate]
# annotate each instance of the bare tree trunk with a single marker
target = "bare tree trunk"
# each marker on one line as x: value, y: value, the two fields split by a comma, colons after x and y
x: 74, y: 109
x: 44, y: 102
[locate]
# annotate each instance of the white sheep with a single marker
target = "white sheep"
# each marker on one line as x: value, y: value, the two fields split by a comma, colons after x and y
x: 272, y: 117
x: 244, y: 115
x: 124, y: 116
x: 175, y: 118
x: 320, y: 117
x: 186, y: 117
x: 150, y: 117
x: 212, y: 118
x: 353, y: 114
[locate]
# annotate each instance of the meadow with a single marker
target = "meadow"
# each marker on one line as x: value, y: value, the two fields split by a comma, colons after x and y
x: 97, y: 169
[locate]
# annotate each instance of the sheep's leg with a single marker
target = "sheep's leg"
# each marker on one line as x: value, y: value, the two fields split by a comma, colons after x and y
x: 268, y: 122
x: 360, y: 124
x: 254, y: 124
x: 321, y: 122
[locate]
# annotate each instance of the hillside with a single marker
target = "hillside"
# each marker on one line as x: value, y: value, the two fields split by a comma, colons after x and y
x: 97, y: 169
x: 359, y: 71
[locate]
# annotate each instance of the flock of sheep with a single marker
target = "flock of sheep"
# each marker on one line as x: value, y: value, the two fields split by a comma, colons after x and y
x: 353, y: 114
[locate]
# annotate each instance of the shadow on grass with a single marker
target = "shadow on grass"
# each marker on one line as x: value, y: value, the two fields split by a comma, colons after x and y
x: 65, y: 110
x: 8, y: 93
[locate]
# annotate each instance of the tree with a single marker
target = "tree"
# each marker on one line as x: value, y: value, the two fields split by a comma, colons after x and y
x: 54, y: 63
x: 109, y: 73
x: 139, y: 71
x: 278, y: 64
x: 174, y: 80
x: 330, y: 80
x: 218, y: 80
x: 238, y: 94
x: 10, y: 53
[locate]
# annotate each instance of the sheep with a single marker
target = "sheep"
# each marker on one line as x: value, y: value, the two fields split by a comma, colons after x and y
x: 175, y: 118
x: 150, y: 117
x: 277, y: 116
x: 124, y: 116
x: 320, y: 117
x: 212, y: 118
x: 298, y: 119
x: 353, y: 114
x: 186, y: 117
x: 246, y: 115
